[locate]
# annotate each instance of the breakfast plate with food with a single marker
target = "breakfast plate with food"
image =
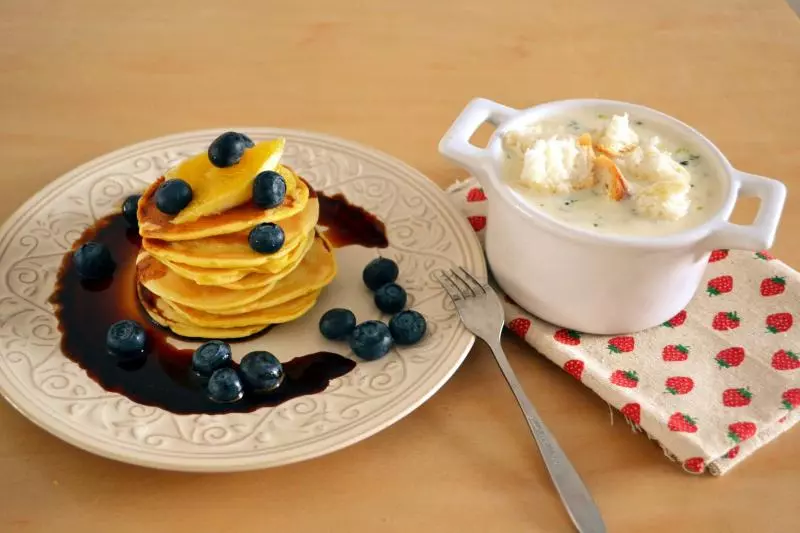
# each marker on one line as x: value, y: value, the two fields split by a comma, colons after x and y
x: 222, y: 301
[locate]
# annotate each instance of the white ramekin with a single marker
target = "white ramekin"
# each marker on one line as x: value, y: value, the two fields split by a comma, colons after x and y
x: 604, y: 284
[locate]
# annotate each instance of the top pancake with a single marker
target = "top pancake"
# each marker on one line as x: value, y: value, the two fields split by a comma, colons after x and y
x: 233, y: 251
x: 153, y: 224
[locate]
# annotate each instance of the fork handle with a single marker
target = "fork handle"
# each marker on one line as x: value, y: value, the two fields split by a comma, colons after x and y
x: 574, y: 494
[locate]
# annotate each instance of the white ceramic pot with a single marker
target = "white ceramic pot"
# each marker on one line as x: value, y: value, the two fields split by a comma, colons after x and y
x: 605, y: 284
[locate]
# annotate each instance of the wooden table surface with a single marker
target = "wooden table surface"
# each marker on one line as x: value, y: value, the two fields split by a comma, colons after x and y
x: 80, y: 78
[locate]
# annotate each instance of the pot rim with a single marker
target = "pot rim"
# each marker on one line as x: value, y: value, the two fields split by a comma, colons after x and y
x: 690, y: 236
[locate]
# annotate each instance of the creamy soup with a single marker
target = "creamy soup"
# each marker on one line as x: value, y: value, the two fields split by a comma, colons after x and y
x: 589, y: 206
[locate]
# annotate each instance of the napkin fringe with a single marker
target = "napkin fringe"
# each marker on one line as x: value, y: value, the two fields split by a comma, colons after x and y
x: 712, y: 468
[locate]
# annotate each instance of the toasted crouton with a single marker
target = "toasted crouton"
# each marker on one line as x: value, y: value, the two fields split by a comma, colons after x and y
x: 649, y: 163
x: 618, y: 137
x: 558, y: 165
x: 666, y: 200
x: 609, y: 175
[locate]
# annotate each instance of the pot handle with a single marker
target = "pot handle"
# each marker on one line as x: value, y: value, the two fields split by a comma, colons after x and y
x: 761, y: 233
x: 455, y: 144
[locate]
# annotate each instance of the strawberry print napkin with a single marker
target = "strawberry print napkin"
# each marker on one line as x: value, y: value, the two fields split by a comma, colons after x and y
x: 713, y: 384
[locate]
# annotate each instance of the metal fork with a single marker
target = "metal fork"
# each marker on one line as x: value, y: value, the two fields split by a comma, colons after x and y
x: 482, y: 313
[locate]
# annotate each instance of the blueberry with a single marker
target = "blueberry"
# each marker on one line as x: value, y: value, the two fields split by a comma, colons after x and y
x: 172, y: 196
x: 262, y: 371
x: 337, y: 324
x: 379, y: 272
x: 93, y: 261
x: 129, y: 207
x: 126, y: 339
x: 407, y: 327
x: 269, y: 189
x: 224, y: 386
x: 211, y: 356
x: 266, y: 238
x: 390, y: 298
x: 228, y: 149
x: 371, y: 340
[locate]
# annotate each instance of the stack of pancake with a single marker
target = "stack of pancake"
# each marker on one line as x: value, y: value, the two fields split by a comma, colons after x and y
x: 197, y: 274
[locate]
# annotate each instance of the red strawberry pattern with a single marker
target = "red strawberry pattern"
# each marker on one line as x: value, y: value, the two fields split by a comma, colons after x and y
x: 785, y: 360
x: 773, y: 286
x: 730, y: 357
x: 695, y: 465
x: 675, y: 352
x: 746, y: 347
x: 625, y: 378
x: 676, y: 321
x: 726, y: 321
x: 633, y: 412
x: 741, y: 431
x: 737, y: 397
x: 719, y: 285
x: 682, y: 423
x: 717, y: 255
x: 575, y: 368
x: 791, y: 399
x: 733, y: 452
x: 476, y: 194
x: 520, y: 326
x: 779, y: 322
x: 679, y: 385
x: 568, y: 337
x: 621, y: 344
x: 477, y: 222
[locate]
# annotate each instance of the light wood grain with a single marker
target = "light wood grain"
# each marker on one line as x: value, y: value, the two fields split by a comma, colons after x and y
x: 83, y: 77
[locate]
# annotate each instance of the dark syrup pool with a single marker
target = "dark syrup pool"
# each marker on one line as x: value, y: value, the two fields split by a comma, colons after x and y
x: 163, y: 377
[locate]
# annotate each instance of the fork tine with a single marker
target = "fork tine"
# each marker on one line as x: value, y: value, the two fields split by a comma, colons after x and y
x: 449, y: 286
x: 474, y: 281
x: 465, y: 283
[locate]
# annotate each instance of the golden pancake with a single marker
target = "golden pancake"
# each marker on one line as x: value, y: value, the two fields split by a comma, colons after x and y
x: 161, y: 281
x: 315, y: 271
x: 153, y: 224
x: 239, y: 279
x: 233, y: 250
x: 165, y: 316
x: 279, y: 314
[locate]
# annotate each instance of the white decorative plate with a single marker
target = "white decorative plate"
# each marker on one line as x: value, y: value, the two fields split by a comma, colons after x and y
x: 425, y: 233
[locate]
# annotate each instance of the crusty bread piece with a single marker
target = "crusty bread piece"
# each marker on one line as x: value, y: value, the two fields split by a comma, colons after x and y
x: 649, y: 163
x: 559, y: 164
x: 618, y: 137
x: 610, y: 176
x: 665, y: 199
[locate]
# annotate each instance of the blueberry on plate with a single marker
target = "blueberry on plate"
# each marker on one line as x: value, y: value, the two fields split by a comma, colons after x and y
x: 129, y: 207
x: 407, y: 327
x: 371, y: 340
x: 390, y: 298
x: 379, y: 272
x: 93, y: 261
x: 269, y: 189
x: 126, y: 339
x: 262, y: 371
x: 211, y: 356
x: 172, y: 196
x: 266, y: 238
x: 336, y: 324
x: 224, y: 386
x: 228, y: 149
